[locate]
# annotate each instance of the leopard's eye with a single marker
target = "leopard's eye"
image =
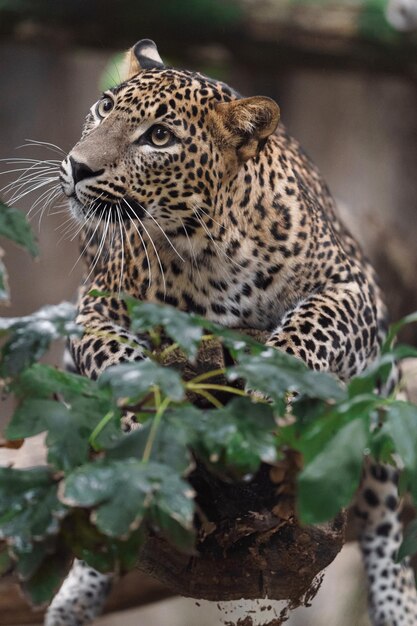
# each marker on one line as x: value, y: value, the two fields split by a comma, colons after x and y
x: 160, y: 137
x: 104, y: 106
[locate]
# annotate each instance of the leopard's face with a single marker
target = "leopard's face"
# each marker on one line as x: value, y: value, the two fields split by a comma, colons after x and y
x: 150, y: 151
x: 158, y: 150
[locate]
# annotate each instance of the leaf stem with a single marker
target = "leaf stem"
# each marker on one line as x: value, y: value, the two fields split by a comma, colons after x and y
x: 162, y: 406
x: 208, y: 396
x: 206, y: 375
x: 225, y: 388
x: 167, y: 351
x: 98, y: 429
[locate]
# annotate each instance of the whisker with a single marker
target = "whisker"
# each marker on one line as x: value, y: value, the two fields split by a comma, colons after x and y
x: 71, y: 227
x: 34, y: 166
x: 210, y: 236
x: 54, y: 194
x: 19, y: 187
x: 87, y: 218
x: 34, y: 170
x: 101, y: 246
x: 144, y: 248
x: 43, y: 195
x: 152, y: 244
x: 33, y: 188
x: 113, y: 235
x: 93, y: 206
x: 47, y: 144
x: 54, y: 189
x: 193, y: 255
x: 163, y: 232
x: 199, y: 208
x: 123, y: 249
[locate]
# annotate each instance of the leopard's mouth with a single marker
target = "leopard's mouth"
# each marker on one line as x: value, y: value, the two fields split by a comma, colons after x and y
x: 104, y: 209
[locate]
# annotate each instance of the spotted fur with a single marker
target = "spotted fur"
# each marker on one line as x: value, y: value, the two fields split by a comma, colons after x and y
x: 81, y: 598
x: 229, y: 219
x: 392, y: 594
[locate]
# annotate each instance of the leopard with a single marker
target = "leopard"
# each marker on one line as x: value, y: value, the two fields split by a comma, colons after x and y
x: 191, y: 195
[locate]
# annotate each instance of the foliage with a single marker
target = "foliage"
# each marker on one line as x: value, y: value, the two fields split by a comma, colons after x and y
x: 15, y: 227
x: 101, y: 488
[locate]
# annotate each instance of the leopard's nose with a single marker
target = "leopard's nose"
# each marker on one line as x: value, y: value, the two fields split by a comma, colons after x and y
x: 81, y: 171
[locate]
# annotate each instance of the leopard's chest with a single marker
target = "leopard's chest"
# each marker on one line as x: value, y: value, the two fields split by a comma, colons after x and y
x: 242, y: 293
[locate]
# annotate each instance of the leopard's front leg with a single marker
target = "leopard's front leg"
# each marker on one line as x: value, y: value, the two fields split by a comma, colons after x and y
x: 392, y: 592
x: 106, y: 341
x: 81, y: 597
x: 336, y: 331
x: 333, y: 331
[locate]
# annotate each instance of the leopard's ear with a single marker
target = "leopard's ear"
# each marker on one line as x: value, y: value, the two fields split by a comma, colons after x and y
x: 143, y: 55
x: 246, y: 124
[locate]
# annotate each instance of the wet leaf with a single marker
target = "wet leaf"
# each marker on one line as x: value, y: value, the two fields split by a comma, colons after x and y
x: 236, y: 438
x: 14, y: 226
x: 123, y: 491
x: 136, y: 379
x: 28, y: 337
x: 328, y: 483
x: 69, y: 425
x: 4, y: 285
x: 183, y: 328
x: 6, y: 561
x: 170, y: 446
x: 29, y: 507
x: 274, y: 373
x: 409, y: 544
x: 30, y: 556
x: 41, y: 587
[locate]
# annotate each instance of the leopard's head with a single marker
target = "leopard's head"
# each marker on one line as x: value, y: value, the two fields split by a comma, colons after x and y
x: 161, y: 145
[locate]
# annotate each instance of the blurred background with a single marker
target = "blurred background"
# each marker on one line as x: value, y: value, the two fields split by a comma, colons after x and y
x: 345, y: 76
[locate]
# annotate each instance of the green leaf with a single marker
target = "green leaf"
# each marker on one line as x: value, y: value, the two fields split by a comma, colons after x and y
x: 29, y: 337
x: 236, y: 342
x: 328, y: 483
x: 98, y: 550
x: 274, y: 373
x: 235, y: 439
x: 395, y: 329
x: 183, y: 328
x: 186, y: 329
x: 67, y: 439
x: 6, y: 561
x: 313, y: 435
x: 29, y: 507
x: 45, y: 582
x: 136, y: 379
x: 123, y: 491
x: 69, y: 425
x: 409, y: 544
x: 14, y: 226
x: 172, y: 514
x: 4, y: 288
x: 31, y: 556
x: 169, y: 446
x: 379, y: 371
x: 43, y: 381
x: 401, y: 426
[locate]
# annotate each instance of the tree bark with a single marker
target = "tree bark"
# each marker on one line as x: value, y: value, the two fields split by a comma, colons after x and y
x: 250, y: 543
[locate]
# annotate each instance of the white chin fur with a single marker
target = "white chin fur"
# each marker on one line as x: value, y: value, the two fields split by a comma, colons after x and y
x: 76, y: 209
